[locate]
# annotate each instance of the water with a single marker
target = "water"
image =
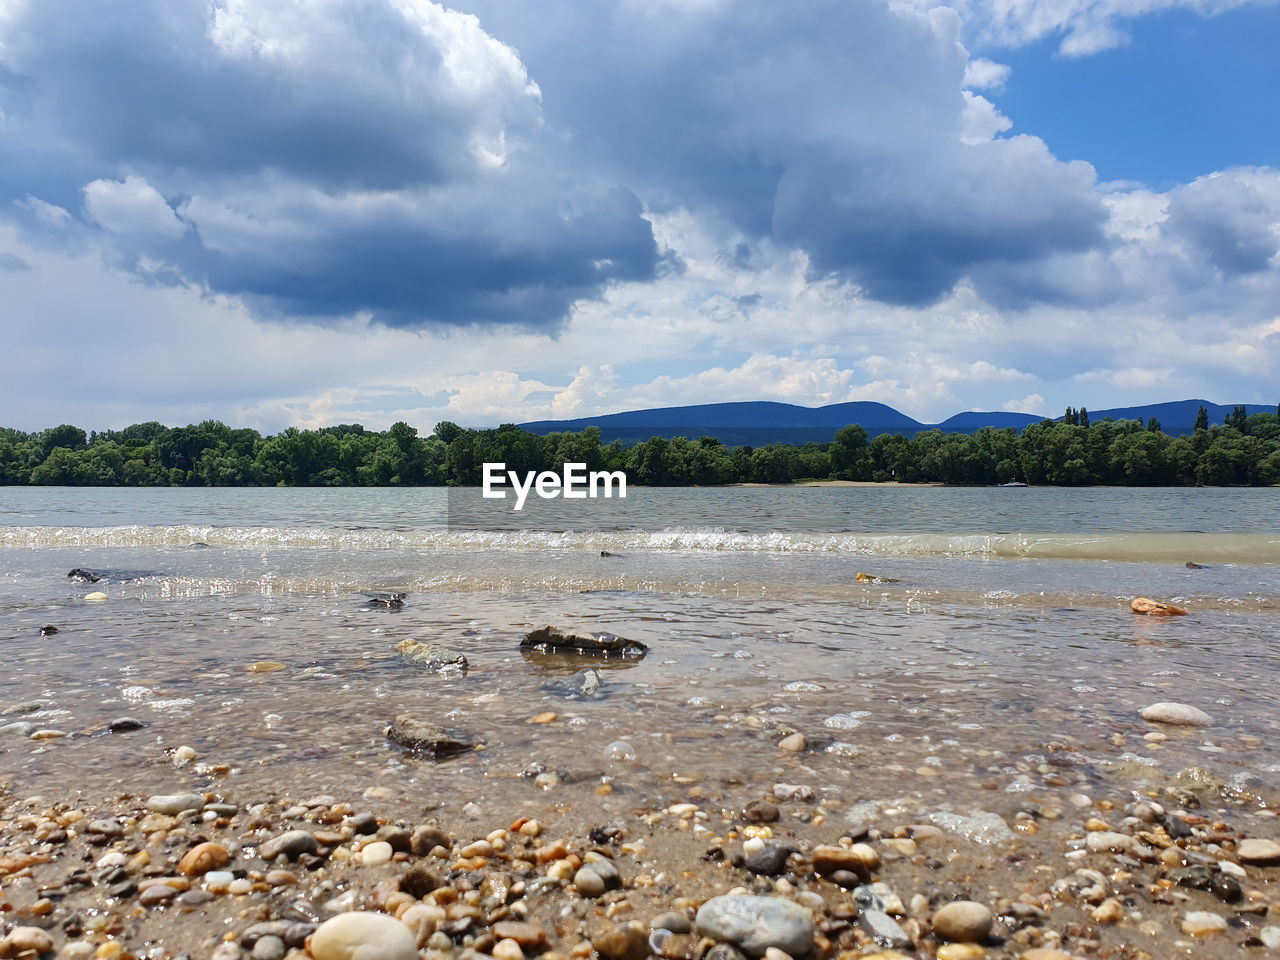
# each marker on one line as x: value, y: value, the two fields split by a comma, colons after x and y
x: 995, y: 642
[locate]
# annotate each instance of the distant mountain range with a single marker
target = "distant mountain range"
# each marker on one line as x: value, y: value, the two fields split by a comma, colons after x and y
x: 757, y: 423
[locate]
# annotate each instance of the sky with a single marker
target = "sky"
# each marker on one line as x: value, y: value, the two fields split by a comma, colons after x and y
x: 280, y: 213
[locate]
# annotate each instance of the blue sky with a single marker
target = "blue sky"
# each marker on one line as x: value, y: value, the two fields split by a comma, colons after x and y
x: 276, y: 213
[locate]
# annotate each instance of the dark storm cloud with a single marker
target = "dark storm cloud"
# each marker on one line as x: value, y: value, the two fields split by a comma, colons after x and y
x: 327, y: 158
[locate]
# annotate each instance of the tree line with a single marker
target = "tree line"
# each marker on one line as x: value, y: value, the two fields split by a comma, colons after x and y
x: 1245, y: 449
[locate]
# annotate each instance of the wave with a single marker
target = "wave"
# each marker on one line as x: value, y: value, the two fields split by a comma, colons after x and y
x: 1205, y: 548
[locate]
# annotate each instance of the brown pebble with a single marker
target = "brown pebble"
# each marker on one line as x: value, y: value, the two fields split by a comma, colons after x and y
x: 760, y: 811
x: 827, y: 859
x: 202, y: 858
x: 157, y: 895
x: 626, y: 941
x: 529, y: 936
x: 547, y: 717
x: 424, y: 839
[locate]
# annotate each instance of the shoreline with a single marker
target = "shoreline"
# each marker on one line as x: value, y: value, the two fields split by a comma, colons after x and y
x: 207, y: 874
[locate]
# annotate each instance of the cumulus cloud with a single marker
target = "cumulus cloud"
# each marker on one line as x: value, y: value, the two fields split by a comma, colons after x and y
x: 384, y: 156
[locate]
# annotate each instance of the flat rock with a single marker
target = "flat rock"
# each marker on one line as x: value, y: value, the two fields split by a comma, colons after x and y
x: 173, y: 804
x: 1175, y: 713
x: 424, y: 737
x: 884, y: 930
x: 964, y: 921
x: 361, y: 935
x: 1201, y: 923
x: 1258, y: 851
x: 555, y: 640
x: 1153, y: 608
x: 433, y: 656
x: 754, y: 924
x: 828, y: 859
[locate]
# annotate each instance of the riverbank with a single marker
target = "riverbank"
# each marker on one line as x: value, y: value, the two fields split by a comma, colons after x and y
x: 1186, y: 870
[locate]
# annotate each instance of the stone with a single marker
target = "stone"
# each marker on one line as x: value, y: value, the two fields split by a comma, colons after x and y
x: 626, y: 941
x: 753, y: 924
x: 361, y: 935
x: 269, y: 948
x: 1258, y: 851
x: 507, y: 950
x: 770, y: 860
x: 1044, y: 953
x: 387, y: 601
x: 960, y: 951
x: 96, y: 597
x: 963, y: 921
x: 376, y: 853
x: 555, y: 640
x: 528, y: 936
x: 883, y: 929
x: 583, y: 685
x: 1199, y: 923
x: 26, y: 940
x: 433, y: 656
x: 675, y: 922
x: 418, y: 882
x: 588, y: 882
x: 157, y: 895
x: 795, y: 743
x: 48, y: 630
x: 426, y: 838
x: 1152, y: 608
x: 202, y: 858
x: 423, y: 737
x: 1175, y: 713
x: 125, y: 724
x: 293, y: 844
x: 174, y: 804
x: 22, y: 728
x: 827, y: 859
x: 1109, y: 910
x: 760, y: 811
x: 84, y: 576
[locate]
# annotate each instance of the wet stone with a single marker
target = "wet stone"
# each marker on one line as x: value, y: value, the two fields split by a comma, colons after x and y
x: 1258, y: 851
x: 753, y: 924
x: 770, y: 860
x: 269, y: 948
x: 583, y: 685
x: 675, y: 922
x: 174, y: 804
x: 1175, y: 713
x: 828, y: 859
x: 554, y: 640
x: 962, y: 922
x: 357, y: 935
x: 363, y: 823
x: 425, y: 839
x: 292, y: 845
x: 1199, y: 923
x: 432, y: 656
x: 423, y: 737
x: 627, y: 941
x: 760, y: 811
x: 125, y: 724
x: 883, y: 929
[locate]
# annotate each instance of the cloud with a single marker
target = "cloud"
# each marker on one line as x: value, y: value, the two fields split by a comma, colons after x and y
x: 1231, y: 220
x: 386, y: 157
x: 983, y: 74
x: 131, y: 208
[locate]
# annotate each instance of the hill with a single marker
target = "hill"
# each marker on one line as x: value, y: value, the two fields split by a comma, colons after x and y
x: 758, y: 423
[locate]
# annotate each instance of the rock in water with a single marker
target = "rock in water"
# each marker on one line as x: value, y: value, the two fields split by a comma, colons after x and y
x: 48, y: 630
x: 754, y: 924
x: 97, y: 596
x: 362, y: 935
x: 432, y: 655
x: 387, y: 601
x: 173, y: 804
x: 1153, y: 608
x: 1176, y: 713
x: 424, y: 737
x: 555, y: 640
x: 84, y: 576
x: 962, y: 922
x: 583, y: 685
x: 874, y: 578
x: 1192, y: 565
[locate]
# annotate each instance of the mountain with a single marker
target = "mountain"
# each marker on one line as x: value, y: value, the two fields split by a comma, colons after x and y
x: 757, y: 423
x: 1177, y: 417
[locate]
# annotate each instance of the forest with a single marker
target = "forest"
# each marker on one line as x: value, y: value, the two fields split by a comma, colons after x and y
x: 1244, y: 450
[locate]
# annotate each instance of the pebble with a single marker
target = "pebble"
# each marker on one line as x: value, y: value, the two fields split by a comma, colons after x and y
x: 860, y: 859
x: 96, y: 597
x: 269, y: 948
x: 1044, y: 953
x: 963, y: 921
x: 1175, y: 713
x: 760, y: 811
x: 378, y: 852
x: 525, y: 935
x: 1200, y: 923
x: 1258, y: 851
x: 675, y: 922
x: 507, y: 950
x: 174, y: 804
x: 125, y: 724
x: 884, y: 929
x: 292, y: 844
x: 753, y: 924
x: 1109, y: 911
x: 770, y: 860
x: 588, y: 882
x: 960, y: 951
x: 155, y: 896
x: 626, y: 941
x: 202, y: 858
x: 24, y: 939
x: 795, y: 743
x: 362, y: 935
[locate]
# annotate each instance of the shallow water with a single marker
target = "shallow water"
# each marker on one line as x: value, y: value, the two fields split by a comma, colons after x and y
x: 962, y: 681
